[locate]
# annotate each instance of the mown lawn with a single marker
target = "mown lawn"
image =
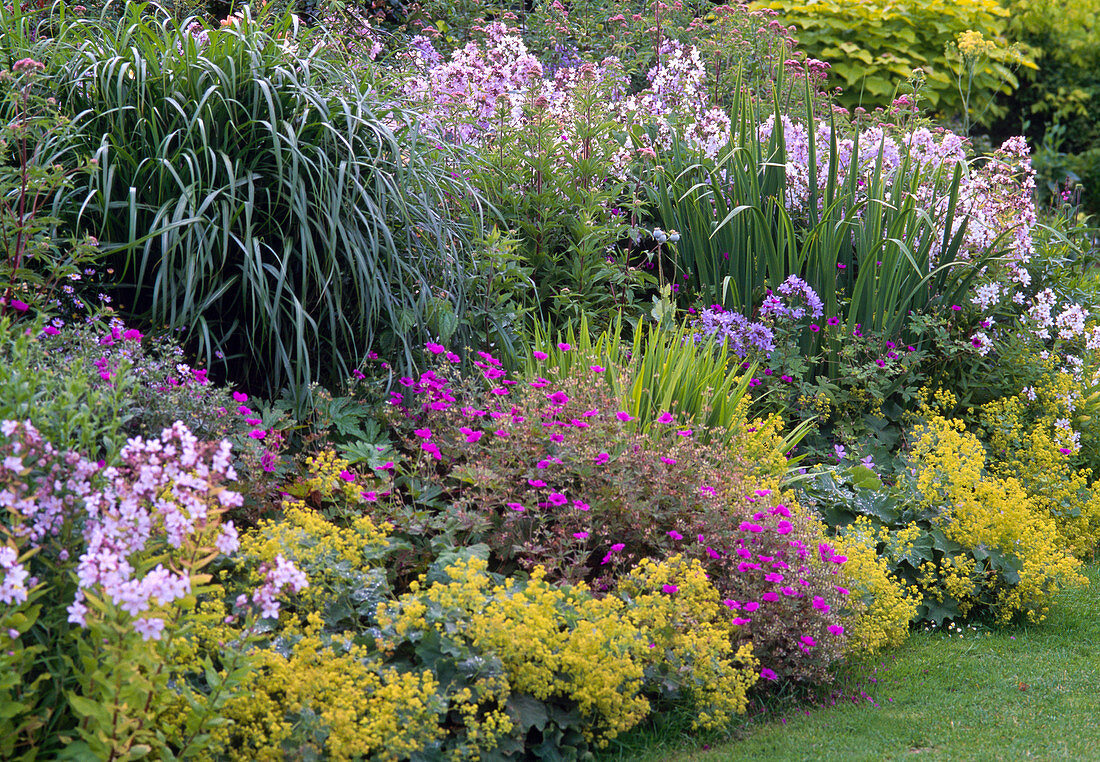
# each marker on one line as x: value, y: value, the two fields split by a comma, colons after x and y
x: 1026, y: 692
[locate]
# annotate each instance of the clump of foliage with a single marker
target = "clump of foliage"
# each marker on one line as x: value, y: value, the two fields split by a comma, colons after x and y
x: 874, y: 47
x: 284, y: 246
x: 964, y: 539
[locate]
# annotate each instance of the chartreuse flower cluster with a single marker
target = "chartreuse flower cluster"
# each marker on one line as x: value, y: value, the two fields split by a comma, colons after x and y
x: 1032, y: 439
x: 560, y: 643
x: 1004, y: 549
x: 881, y: 605
x: 330, y: 696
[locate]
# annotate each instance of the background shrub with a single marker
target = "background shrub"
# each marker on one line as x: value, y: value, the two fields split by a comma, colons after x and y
x: 875, y: 46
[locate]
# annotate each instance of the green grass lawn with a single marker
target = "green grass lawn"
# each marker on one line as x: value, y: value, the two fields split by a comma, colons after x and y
x: 1027, y: 692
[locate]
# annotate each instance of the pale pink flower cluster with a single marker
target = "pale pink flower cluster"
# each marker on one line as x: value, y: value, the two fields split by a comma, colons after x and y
x: 13, y: 576
x: 285, y: 574
x: 167, y: 489
x: 39, y: 487
x: 460, y: 97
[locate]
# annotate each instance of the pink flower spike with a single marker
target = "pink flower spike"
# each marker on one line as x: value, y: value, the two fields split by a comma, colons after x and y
x: 665, y: 417
x: 539, y: 355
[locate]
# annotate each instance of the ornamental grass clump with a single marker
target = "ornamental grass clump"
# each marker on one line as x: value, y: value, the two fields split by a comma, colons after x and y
x: 254, y: 194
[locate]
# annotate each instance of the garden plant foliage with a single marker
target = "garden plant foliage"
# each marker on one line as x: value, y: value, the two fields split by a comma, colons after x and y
x: 624, y: 377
